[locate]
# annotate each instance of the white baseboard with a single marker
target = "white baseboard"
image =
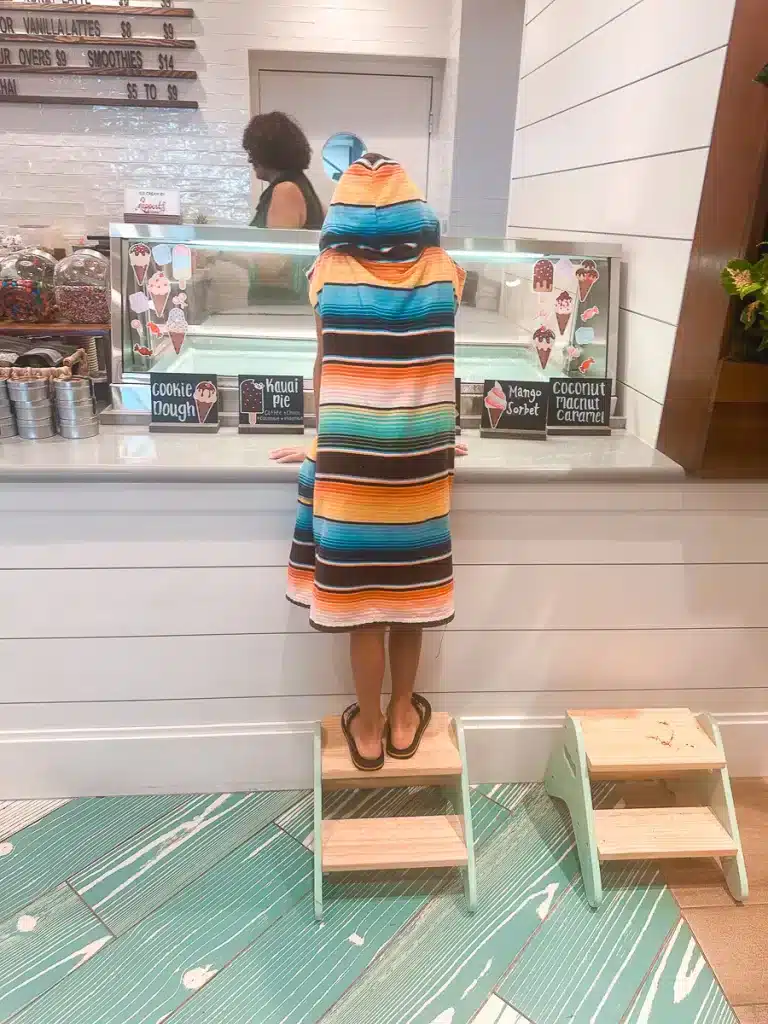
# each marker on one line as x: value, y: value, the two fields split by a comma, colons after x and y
x: 47, y: 764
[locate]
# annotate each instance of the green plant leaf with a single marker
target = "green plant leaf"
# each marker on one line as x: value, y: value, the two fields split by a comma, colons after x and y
x: 749, y: 314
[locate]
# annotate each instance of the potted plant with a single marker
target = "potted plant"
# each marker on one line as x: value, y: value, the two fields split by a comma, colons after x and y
x: 750, y: 282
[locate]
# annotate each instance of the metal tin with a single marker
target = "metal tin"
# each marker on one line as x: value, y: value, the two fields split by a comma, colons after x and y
x: 33, y: 390
x: 76, y: 431
x: 8, y: 427
x: 76, y: 413
x: 36, y: 431
x: 73, y: 389
x: 34, y: 413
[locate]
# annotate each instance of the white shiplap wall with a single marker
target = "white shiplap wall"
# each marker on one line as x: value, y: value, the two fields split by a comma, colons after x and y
x: 69, y: 165
x: 614, y: 122
x: 145, y: 643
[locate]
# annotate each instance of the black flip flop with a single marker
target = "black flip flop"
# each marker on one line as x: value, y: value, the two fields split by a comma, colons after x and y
x: 424, y: 710
x: 363, y: 764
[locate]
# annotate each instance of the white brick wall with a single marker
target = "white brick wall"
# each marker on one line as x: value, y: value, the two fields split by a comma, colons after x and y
x: 69, y: 165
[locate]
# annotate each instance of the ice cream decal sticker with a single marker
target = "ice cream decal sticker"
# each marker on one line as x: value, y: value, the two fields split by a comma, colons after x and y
x: 158, y: 306
x: 543, y: 275
x: 563, y: 311
x: 543, y: 341
x: 587, y: 275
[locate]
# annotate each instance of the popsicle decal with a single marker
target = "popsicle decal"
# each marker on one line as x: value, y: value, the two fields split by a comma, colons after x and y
x: 182, y: 265
x: 543, y: 275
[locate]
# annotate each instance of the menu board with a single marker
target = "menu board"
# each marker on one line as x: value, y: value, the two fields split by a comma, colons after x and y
x: 580, y: 406
x: 273, y: 404
x: 133, y: 52
x: 184, y: 401
x: 515, y: 408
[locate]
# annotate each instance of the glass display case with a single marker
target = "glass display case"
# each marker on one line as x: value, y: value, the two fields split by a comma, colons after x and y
x: 229, y: 301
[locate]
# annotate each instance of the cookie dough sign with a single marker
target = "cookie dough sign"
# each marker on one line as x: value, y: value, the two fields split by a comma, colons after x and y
x: 184, y: 401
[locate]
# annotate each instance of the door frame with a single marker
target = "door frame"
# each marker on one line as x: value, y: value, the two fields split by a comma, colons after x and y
x: 349, y: 64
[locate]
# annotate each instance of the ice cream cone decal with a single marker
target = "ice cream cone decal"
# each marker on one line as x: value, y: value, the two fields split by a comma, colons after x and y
x: 496, y: 403
x: 563, y: 311
x: 159, y: 288
x: 205, y: 397
x: 139, y: 256
x: 543, y: 340
x: 177, y: 328
x: 586, y: 275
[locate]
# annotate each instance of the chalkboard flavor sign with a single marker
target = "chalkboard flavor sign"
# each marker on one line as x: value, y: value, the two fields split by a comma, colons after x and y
x: 274, y: 404
x: 184, y: 401
x: 514, y: 408
x: 580, y: 406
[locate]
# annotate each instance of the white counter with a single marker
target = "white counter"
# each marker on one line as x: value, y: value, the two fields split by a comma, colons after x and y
x: 228, y: 457
x: 146, y: 644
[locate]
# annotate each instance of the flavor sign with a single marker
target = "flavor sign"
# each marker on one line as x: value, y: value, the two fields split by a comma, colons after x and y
x: 271, y: 403
x: 580, y: 406
x: 184, y: 401
x: 515, y: 408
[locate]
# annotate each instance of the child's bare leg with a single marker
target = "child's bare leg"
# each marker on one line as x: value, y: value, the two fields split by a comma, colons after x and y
x: 366, y: 651
x: 404, y: 655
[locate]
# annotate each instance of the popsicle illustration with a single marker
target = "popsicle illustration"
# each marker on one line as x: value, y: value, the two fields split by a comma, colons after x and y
x: 252, y: 400
x: 543, y: 275
x: 182, y: 265
x: 495, y: 402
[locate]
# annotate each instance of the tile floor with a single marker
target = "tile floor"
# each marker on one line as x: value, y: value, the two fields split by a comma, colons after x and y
x: 198, y: 910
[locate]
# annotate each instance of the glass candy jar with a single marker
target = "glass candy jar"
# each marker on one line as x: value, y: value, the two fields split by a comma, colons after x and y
x: 26, y: 286
x: 82, y: 287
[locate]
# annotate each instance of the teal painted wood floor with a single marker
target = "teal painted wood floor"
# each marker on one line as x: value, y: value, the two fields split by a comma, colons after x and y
x: 198, y: 910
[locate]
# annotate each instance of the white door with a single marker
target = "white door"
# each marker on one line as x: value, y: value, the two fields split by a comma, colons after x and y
x: 389, y: 113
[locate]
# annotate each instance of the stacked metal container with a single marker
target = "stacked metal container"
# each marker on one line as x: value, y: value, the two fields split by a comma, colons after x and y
x: 34, y: 409
x: 76, y: 408
x: 7, y: 419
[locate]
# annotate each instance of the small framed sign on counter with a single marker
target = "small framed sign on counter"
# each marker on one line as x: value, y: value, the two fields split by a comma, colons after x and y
x: 580, y: 406
x: 270, y: 403
x: 184, y: 401
x: 514, y: 408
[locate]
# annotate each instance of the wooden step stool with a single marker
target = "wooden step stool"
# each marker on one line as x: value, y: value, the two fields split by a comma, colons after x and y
x: 384, y: 844
x: 671, y: 744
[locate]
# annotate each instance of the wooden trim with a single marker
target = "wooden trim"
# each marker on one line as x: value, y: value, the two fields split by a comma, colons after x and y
x: 732, y: 185
x: 122, y: 12
x: 106, y: 101
x: 100, y: 42
x: 8, y: 327
x: 23, y: 69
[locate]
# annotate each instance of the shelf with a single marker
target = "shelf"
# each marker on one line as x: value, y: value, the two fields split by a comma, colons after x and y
x: 436, y: 760
x: 661, y: 832
x: 383, y: 844
x: 622, y: 744
x: 30, y: 330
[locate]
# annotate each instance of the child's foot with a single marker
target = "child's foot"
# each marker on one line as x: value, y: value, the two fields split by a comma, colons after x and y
x: 403, y: 722
x: 368, y: 738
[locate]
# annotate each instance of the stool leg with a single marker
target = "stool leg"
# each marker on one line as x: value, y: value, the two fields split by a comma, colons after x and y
x: 470, y: 872
x: 318, y: 821
x: 568, y: 780
x: 720, y: 799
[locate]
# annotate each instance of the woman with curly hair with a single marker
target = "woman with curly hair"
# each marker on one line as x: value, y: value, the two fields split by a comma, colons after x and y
x: 279, y: 153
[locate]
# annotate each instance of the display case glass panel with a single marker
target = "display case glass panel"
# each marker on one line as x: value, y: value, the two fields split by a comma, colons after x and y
x: 234, y: 300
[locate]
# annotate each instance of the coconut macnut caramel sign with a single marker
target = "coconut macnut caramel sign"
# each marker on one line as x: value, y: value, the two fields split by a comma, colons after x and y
x: 118, y: 53
x: 184, y: 401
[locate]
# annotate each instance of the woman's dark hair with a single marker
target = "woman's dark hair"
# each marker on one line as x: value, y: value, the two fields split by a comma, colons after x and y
x: 277, y: 142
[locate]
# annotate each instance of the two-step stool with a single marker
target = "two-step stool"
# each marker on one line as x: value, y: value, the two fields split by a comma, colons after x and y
x: 385, y: 844
x: 673, y: 744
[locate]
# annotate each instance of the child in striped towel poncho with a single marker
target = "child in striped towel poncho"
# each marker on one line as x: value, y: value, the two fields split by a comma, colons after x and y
x: 372, y: 545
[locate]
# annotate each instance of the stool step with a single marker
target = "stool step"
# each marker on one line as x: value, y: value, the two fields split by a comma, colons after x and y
x: 381, y: 844
x: 436, y: 760
x: 657, y: 833
x: 626, y: 744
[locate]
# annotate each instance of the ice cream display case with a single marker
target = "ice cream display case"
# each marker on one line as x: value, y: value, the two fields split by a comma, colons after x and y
x: 232, y: 301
